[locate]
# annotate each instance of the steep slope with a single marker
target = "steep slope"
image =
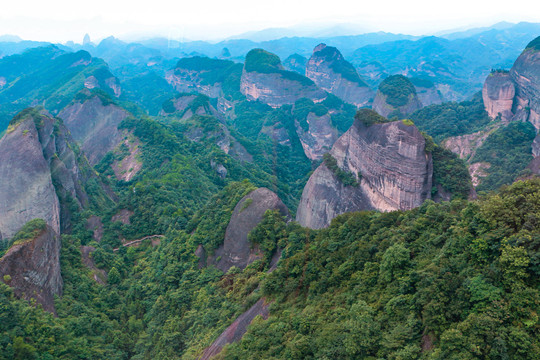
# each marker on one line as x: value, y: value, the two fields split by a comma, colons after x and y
x: 264, y: 79
x: 526, y: 74
x: 374, y: 165
x: 26, y: 186
x: 396, y: 97
x: 331, y: 72
x: 498, y: 94
x: 248, y: 213
x: 50, y: 77
x: 426, y: 91
x: 296, y: 63
x: 93, y: 121
x: 32, y: 264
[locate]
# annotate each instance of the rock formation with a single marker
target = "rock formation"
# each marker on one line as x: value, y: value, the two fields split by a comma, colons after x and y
x: 386, y: 160
x: 26, y: 187
x: 32, y: 267
x: 201, y: 75
x: 248, y: 213
x: 498, y: 94
x: 526, y: 75
x: 93, y: 123
x: 331, y: 72
x: 396, y: 97
x: 319, y: 137
x: 426, y: 91
x: 264, y: 79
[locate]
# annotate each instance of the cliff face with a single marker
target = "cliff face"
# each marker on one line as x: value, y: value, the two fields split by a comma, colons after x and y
x: 319, y: 137
x: 26, y: 188
x: 34, y: 268
x: 248, y: 213
x: 526, y: 75
x: 387, y: 160
x: 331, y: 72
x: 498, y: 94
x: 396, y: 97
x: 264, y: 79
x: 94, y: 125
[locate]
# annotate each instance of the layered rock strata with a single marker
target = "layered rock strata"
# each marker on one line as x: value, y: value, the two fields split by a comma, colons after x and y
x: 389, y: 164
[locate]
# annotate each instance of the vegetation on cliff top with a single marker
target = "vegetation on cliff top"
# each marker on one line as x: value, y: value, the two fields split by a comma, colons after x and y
x: 534, y: 44
x: 398, y: 90
x: 261, y: 61
x: 339, y: 65
x: 369, y: 117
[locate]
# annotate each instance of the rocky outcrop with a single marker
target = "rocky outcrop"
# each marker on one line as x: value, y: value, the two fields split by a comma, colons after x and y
x: 387, y: 161
x: 237, y: 329
x: 26, y: 188
x: 331, y: 72
x: 32, y: 268
x: 248, y: 213
x: 396, y: 97
x: 319, y: 137
x: 264, y: 79
x: 498, y: 94
x: 201, y: 75
x: 126, y: 168
x: 465, y: 146
x: 426, y: 91
x: 93, y: 123
x: 526, y: 75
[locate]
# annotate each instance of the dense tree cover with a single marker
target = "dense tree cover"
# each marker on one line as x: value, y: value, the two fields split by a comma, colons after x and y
x: 259, y: 60
x: 452, y: 118
x: 455, y: 280
x: 48, y: 76
x: 508, y: 152
x: 369, y: 117
x: 398, y: 90
x: 149, y: 90
x: 534, y: 44
x: 451, y: 173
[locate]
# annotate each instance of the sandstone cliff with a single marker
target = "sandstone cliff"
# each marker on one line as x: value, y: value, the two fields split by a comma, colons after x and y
x: 26, y: 188
x: 331, y: 72
x: 387, y: 162
x: 498, y: 94
x: 248, y: 213
x: 396, y: 97
x: 426, y: 91
x: 319, y: 137
x: 526, y: 75
x: 32, y: 265
x: 295, y: 62
x: 93, y: 123
x: 264, y: 79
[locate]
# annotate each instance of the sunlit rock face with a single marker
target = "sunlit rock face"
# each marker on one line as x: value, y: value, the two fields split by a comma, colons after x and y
x: 498, y: 94
x: 331, y: 72
x: 388, y: 162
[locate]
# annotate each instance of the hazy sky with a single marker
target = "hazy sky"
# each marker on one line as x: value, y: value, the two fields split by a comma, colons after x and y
x: 62, y: 20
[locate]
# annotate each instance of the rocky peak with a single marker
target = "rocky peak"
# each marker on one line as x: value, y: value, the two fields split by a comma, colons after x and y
x: 93, y: 122
x: 331, y: 72
x: 396, y: 97
x: 264, y: 79
x: 498, y: 94
x: 296, y: 63
x: 375, y: 165
x: 248, y: 213
x: 31, y: 266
